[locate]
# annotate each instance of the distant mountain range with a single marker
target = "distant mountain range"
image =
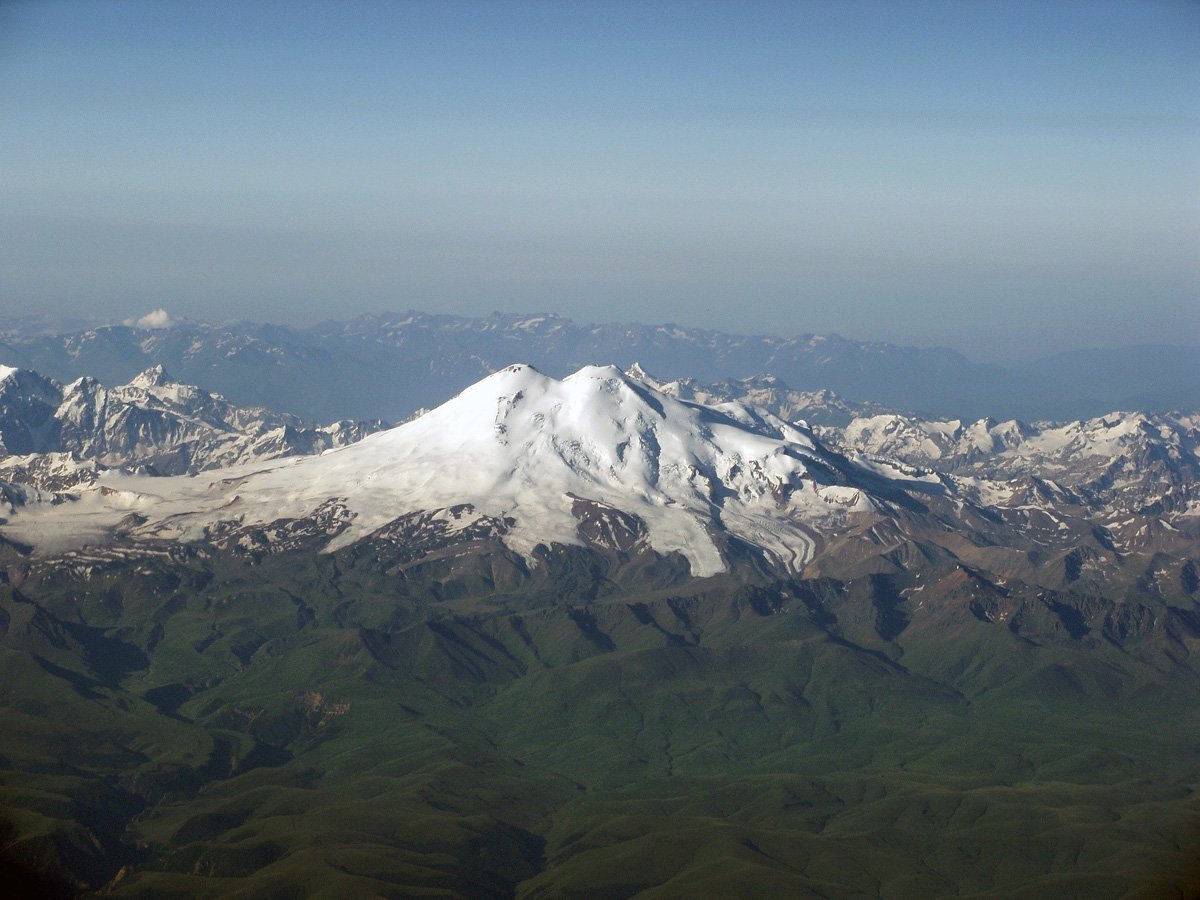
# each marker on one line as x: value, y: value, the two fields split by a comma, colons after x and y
x: 388, y: 366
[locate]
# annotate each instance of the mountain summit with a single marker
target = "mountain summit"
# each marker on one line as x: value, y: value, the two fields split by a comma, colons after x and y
x: 595, y: 458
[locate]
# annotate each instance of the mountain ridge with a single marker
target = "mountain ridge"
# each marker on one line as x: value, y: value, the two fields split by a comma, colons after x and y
x: 606, y: 461
x: 54, y: 435
x: 319, y: 369
x: 529, y: 449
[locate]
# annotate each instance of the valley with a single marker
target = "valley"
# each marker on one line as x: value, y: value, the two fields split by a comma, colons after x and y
x: 361, y: 724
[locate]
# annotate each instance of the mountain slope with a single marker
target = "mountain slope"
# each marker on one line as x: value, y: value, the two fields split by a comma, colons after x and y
x: 1116, y: 465
x: 527, y: 465
x: 540, y: 457
x: 213, y: 723
x: 28, y: 402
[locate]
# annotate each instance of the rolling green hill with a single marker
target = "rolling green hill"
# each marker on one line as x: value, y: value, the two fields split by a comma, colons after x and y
x: 302, y: 725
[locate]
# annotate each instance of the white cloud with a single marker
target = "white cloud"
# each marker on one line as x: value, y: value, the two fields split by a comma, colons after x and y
x: 160, y: 318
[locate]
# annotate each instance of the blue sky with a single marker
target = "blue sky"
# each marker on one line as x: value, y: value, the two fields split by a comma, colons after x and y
x: 1006, y: 178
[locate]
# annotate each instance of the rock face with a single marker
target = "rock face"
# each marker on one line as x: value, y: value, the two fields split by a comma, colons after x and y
x: 48, y: 430
x: 28, y: 402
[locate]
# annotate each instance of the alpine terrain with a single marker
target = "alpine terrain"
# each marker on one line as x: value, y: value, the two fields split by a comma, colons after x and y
x: 598, y: 636
x: 55, y: 435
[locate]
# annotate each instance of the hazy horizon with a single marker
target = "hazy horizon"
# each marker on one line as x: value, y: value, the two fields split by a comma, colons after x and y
x: 1009, y: 180
x: 162, y: 318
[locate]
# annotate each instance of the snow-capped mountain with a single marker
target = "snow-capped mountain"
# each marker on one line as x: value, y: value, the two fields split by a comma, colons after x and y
x: 55, y: 436
x: 522, y: 463
x: 27, y: 405
x: 1125, y: 461
x: 597, y: 458
x: 1118, y: 463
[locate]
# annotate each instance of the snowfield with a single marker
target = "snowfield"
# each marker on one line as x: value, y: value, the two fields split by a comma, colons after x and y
x: 521, y: 445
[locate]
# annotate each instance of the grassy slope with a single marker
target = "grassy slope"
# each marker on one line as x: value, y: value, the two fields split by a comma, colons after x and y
x: 304, y: 727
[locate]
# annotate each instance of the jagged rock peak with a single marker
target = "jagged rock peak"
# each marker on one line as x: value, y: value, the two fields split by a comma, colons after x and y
x: 155, y: 376
x: 637, y: 371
